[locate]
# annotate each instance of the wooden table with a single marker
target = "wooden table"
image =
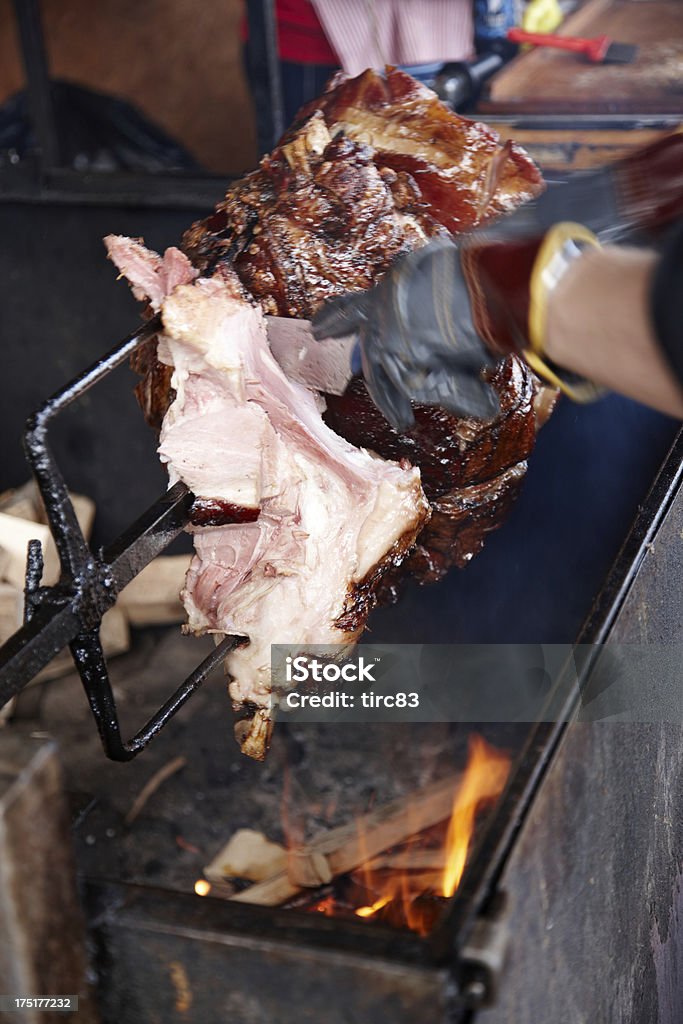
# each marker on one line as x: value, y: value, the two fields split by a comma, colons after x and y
x: 571, y: 114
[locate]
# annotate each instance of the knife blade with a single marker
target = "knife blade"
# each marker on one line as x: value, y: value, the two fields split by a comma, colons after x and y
x: 321, y: 366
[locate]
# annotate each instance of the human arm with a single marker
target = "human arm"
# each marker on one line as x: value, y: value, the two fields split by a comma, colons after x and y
x: 581, y: 315
x: 602, y: 326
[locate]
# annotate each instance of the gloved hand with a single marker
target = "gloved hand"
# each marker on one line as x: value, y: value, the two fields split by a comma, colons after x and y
x: 416, y: 337
x: 443, y: 314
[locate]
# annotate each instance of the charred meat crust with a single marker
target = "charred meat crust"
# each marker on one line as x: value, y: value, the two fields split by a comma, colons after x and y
x: 459, y: 525
x: 299, y: 234
x: 217, y: 512
x: 153, y: 392
x: 471, y: 471
x: 450, y: 451
x: 412, y: 132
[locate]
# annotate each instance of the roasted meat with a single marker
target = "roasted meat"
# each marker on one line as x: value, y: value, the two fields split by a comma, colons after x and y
x: 471, y: 470
x: 374, y: 168
x: 320, y: 521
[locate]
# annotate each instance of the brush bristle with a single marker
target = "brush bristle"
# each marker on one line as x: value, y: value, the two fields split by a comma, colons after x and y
x: 620, y: 53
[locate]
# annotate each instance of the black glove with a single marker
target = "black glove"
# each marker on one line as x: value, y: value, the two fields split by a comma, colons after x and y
x: 416, y: 337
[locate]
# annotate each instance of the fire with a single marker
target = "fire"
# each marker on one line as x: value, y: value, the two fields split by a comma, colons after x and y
x: 377, y: 905
x: 202, y: 887
x: 410, y: 897
x: 485, y: 775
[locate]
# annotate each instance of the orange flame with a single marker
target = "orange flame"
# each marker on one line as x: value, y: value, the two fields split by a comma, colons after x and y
x: 377, y: 905
x: 485, y: 776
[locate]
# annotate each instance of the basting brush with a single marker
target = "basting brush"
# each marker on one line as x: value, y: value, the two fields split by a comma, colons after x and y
x: 600, y: 50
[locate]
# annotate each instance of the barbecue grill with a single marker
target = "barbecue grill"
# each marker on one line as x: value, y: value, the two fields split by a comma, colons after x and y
x: 348, y: 970
x: 591, y: 554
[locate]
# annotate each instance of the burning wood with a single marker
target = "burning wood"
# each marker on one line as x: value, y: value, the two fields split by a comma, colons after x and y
x: 416, y: 859
x: 344, y: 848
x: 408, y: 885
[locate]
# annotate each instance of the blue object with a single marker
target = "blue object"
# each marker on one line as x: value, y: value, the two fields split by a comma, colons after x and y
x: 492, y: 19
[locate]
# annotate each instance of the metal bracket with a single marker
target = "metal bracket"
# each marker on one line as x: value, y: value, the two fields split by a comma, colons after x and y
x: 482, y: 958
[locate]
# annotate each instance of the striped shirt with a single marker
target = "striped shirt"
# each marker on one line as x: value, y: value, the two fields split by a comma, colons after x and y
x: 371, y: 33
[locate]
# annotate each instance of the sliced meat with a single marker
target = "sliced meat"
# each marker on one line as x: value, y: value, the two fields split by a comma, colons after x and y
x: 332, y: 518
x: 151, y: 276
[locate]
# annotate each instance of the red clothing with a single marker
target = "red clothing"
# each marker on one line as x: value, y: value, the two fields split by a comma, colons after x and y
x: 301, y: 38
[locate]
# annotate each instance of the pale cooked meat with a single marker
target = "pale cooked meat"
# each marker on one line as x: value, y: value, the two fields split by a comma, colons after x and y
x: 151, y: 276
x: 332, y: 518
x: 329, y: 512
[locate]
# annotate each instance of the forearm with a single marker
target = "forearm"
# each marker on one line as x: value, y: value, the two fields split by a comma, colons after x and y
x: 599, y: 326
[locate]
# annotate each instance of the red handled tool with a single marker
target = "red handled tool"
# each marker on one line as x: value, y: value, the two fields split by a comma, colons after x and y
x: 600, y: 50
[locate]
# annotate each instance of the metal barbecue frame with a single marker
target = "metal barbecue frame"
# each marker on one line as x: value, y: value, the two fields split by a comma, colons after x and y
x: 71, y: 611
x: 458, y: 966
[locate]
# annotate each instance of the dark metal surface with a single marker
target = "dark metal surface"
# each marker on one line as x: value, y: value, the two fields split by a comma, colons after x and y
x: 27, y: 13
x: 269, y: 24
x: 497, y: 840
x: 173, y: 957
x: 31, y: 182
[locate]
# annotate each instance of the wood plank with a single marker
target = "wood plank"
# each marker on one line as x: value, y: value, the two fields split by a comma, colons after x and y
x: 153, y: 597
x: 415, y: 859
x: 11, y: 610
x: 15, y: 533
x: 248, y: 854
x: 22, y: 518
x: 25, y: 502
x: 543, y: 79
x: 114, y: 632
